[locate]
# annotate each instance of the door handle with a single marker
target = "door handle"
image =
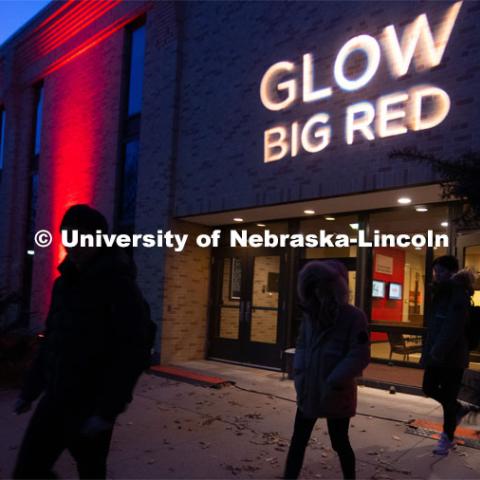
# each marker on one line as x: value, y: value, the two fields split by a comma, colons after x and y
x: 248, y: 311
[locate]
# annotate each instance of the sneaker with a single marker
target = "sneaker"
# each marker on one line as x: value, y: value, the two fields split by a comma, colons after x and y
x: 444, y: 445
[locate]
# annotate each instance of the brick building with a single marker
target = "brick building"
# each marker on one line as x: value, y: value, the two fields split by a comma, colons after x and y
x: 197, y: 116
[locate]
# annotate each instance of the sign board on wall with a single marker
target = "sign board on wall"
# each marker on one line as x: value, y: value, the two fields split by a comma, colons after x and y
x: 420, y: 107
x: 383, y: 264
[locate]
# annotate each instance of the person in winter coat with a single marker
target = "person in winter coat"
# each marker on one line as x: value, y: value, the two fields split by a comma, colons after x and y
x: 89, y: 360
x: 332, y: 349
x: 445, y: 353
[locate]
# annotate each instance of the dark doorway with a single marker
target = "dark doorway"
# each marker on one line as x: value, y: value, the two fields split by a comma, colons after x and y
x: 247, y: 315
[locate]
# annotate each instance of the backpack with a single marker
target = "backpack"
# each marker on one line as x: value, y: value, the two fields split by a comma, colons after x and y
x: 473, y: 328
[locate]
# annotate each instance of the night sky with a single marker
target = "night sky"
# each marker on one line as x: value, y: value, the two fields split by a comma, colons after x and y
x: 15, y: 13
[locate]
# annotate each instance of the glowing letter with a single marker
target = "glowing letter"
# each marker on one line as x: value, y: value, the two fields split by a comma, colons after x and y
x: 280, y: 143
x: 370, y: 46
x: 294, y: 139
x: 361, y: 123
x: 323, y: 133
x: 430, y: 53
x: 309, y: 95
x: 386, y: 115
x: 437, y: 115
x: 290, y: 86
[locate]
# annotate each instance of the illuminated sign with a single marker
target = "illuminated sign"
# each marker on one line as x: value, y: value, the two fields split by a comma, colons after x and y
x: 285, y: 83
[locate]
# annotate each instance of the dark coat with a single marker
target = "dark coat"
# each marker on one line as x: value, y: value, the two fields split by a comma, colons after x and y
x: 327, y: 363
x: 446, y: 344
x: 92, y: 353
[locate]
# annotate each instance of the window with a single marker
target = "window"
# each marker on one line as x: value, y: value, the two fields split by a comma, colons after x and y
x: 2, y: 137
x: 33, y: 199
x: 128, y: 166
x: 38, y: 120
x: 34, y: 166
x: 137, y: 57
x: 399, y: 283
x: 129, y: 187
x: 339, y: 224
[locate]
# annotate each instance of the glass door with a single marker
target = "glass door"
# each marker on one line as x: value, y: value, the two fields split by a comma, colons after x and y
x: 248, y: 307
x: 468, y: 252
x: 227, y: 312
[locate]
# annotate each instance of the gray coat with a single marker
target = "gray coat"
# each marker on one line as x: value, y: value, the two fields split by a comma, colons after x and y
x: 327, y: 363
x: 446, y: 343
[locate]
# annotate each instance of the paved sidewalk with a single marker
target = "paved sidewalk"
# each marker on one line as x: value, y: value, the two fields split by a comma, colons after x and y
x: 177, y: 430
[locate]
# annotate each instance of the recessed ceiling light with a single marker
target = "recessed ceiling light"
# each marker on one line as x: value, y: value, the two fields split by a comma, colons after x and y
x: 238, y: 219
x: 330, y: 219
x: 30, y: 252
x: 418, y: 248
x: 404, y: 200
x: 354, y: 226
x: 421, y: 209
x: 260, y: 225
x: 444, y: 224
x: 309, y: 212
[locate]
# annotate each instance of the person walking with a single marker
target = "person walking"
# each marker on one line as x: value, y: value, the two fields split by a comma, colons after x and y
x: 445, y: 354
x: 89, y: 360
x: 332, y: 349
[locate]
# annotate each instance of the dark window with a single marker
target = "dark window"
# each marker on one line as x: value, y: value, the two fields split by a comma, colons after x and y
x: 128, y: 165
x: 2, y: 137
x: 137, y: 57
x: 38, y: 120
x: 34, y: 165
x: 33, y: 209
x: 33, y: 202
x: 129, y: 184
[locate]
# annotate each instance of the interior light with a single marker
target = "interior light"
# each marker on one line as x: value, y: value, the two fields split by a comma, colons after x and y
x: 261, y: 225
x: 354, y: 226
x: 30, y: 252
x: 330, y: 219
x: 421, y: 209
x: 444, y: 224
x: 404, y: 200
x: 309, y: 212
x: 238, y: 219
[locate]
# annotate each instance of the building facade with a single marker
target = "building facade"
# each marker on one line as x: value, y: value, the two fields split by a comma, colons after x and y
x: 201, y: 116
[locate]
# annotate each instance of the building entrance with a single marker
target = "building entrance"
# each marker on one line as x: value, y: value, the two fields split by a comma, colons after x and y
x: 247, y: 314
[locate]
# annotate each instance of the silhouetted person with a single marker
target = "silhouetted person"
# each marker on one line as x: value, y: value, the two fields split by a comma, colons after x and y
x: 89, y: 361
x: 332, y: 349
x: 445, y: 353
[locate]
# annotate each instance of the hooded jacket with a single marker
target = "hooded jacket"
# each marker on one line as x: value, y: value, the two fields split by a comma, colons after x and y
x: 327, y: 363
x: 93, y: 350
x: 330, y: 353
x: 446, y: 344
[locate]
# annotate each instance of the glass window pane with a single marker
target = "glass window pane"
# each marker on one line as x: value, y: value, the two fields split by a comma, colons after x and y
x: 33, y: 209
x: 346, y: 224
x: 231, y: 290
x: 2, y: 137
x: 338, y: 224
x: 472, y: 261
x: 38, y: 120
x: 129, y: 183
x: 266, y: 276
x: 398, y: 283
x: 137, y: 57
